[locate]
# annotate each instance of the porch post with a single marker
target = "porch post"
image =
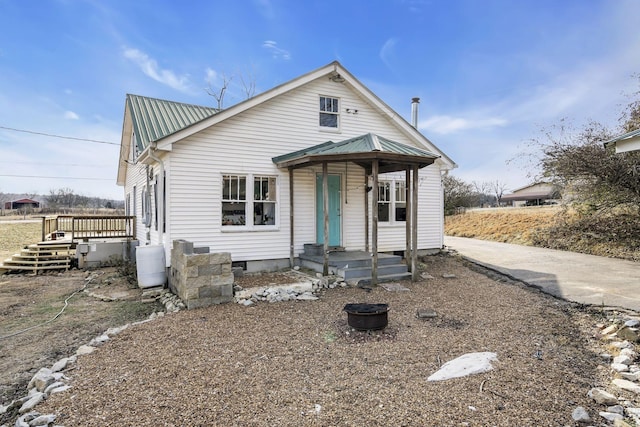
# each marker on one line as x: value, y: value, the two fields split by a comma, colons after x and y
x: 291, y: 221
x: 366, y: 212
x: 408, y: 222
x: 325, y: 205
x: 374, y: 228
x: 414, y: 224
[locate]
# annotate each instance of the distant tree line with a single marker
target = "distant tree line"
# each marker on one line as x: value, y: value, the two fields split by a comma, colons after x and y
x: 66, y: 198
x: 63, y: 200
x: 461, y: 194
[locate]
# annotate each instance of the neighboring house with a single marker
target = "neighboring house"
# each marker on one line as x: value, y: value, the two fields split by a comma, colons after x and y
x: 629, y: 141
x: 250, y: 179
x: 541, y: 193
x: 22, y: 203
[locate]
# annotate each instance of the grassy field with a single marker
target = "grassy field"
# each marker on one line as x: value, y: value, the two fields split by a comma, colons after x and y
x: 615, y: 235
x: 502, y: 225
x: 16, y: 235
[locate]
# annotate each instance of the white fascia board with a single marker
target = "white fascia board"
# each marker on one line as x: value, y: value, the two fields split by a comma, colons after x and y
x: 125, y: 147
x: 626, y: 145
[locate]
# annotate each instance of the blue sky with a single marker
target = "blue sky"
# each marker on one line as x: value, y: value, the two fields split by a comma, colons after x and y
x: 490, y: 73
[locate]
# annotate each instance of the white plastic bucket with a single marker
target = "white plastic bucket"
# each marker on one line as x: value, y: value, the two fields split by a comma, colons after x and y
x: 150, y: 266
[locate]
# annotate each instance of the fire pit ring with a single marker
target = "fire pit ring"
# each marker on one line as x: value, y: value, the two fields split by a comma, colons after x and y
x: 367, y: 317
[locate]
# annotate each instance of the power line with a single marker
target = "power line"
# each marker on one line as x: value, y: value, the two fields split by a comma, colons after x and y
x: 57, y: 164
x: 58, y: 136
x: 58, y: 177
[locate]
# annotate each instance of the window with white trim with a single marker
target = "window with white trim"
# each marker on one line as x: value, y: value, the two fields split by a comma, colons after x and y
x: 234, y: 196
x: 329, y: 112
x: 384, y: 201
x: 392, y: 201
x: 400, y: 206
x: 264, y: 202
x: 146, y: 206
x: 249, y: 196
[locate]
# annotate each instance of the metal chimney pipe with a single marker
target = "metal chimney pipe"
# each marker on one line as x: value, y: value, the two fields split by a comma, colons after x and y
x: 414, y: 112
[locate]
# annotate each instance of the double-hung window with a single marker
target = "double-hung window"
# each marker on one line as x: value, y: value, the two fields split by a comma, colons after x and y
x: 264, y: 202
x: 384, y: 201
x: 234, y: 200
x: 400, y: 199
x: 329, y: 112
x: 249, y: 200
x: 392, y: 201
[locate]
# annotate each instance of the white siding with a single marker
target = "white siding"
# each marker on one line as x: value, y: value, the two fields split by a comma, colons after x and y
x: 136, y: 176
x: 246, y: 143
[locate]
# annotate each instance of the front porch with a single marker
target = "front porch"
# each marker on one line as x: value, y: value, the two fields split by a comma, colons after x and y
x: 355, y: 266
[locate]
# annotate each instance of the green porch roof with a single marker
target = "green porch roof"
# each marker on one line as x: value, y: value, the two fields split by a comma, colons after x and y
x: 361, y: 150
x: 153, y: 119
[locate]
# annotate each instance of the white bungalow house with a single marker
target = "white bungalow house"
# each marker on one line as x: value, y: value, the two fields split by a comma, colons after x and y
x: 629, y: 141
x: 290, y: 167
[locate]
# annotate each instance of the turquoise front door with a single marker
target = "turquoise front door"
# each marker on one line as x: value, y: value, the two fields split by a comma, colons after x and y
x: 334, y: 210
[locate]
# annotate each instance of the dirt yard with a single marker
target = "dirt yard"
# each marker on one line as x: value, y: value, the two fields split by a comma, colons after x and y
x: 28, y: 301
x: 298, y: 363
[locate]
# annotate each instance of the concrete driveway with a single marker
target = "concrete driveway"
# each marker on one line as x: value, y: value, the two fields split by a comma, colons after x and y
x: 586, y: 279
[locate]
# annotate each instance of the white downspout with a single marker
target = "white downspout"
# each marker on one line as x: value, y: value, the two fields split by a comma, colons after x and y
x: 161, y: 196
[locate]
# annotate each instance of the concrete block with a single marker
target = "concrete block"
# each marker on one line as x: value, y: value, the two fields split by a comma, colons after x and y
x: 198, y: 260
x: 183, y: 246
x: 209, y: 292
x: 210, y: 270
x: 226, y: 291
x: 193, y: 271
x: 220, y: 258
x: 223, y: 279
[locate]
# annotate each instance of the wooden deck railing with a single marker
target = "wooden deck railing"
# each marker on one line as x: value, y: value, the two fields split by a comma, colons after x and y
x: 89, y: 227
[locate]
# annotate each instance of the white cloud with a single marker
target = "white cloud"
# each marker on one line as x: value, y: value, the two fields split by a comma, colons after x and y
x: 210, y: 75
x: 447, y: 124
x: 149, y: 66
x: 276, y: 52
x: 70, y: 115
x: 386, y: 51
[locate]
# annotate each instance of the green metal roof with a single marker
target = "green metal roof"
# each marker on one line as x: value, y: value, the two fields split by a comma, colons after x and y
x: 153, y: 119
x: 360, y: 148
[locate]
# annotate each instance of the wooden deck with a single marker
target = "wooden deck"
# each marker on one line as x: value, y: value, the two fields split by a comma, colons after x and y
x: 60, y: 236
x: 87, y: 227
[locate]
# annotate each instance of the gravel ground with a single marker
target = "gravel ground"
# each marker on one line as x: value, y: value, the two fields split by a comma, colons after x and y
x: 299, y: 364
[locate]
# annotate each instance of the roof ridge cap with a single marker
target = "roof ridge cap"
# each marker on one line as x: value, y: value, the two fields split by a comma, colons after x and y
x: 129, y: 95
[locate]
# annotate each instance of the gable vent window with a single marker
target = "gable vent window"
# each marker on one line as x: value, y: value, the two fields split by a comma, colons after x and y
x: 329, y: 112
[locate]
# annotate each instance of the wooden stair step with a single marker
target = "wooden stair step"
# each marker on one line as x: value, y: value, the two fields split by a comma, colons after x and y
x: 31, y: 268
x: 36, y: 262
x: 38, y: 247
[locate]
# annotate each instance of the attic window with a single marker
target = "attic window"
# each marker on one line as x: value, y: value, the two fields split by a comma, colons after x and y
x: 329, y: 112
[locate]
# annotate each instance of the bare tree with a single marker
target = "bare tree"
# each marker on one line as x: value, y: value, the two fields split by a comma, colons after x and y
x: 457, y: 194
x: 248, y: 83
x: 218, y: 94
x: 630, y: 118
x: 498, y: 188
x: 4, y: 197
